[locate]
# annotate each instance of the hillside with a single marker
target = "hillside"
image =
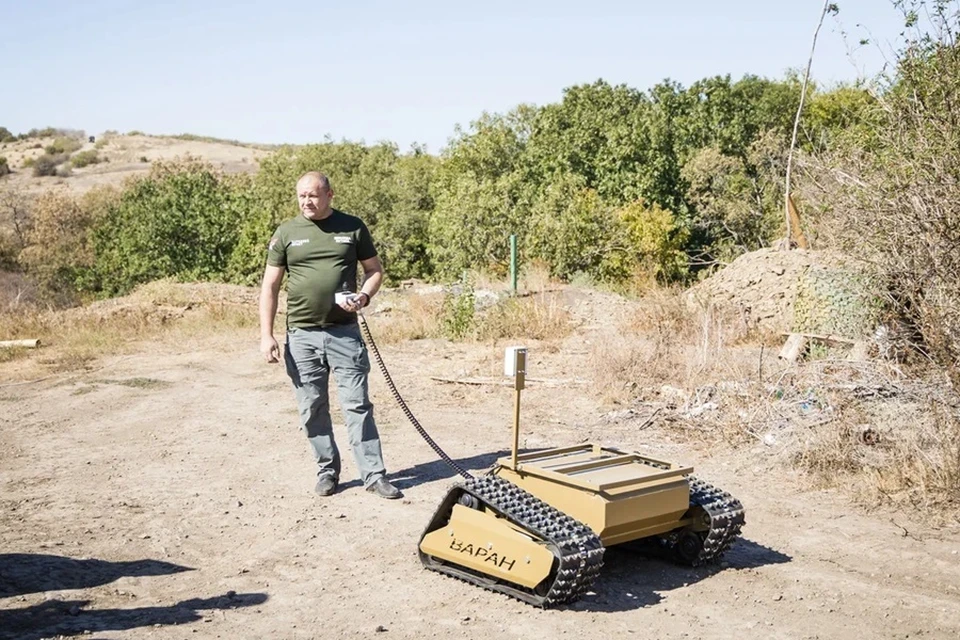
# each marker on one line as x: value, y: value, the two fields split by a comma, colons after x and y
x: 122, y: 156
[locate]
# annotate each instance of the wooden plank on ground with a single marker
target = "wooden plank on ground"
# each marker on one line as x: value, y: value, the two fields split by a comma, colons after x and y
x: 20, y: 344
x: 793, y: 347
x: 819, y: 337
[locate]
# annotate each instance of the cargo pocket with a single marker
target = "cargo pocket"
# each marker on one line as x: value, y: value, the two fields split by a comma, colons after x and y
x: 361, y: 358
x: 289, y: 363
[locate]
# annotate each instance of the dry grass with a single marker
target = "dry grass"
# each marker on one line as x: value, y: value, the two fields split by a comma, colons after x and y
x: 534, y: 276
x: 925, y: 463
x: 67, y: 346
x: 668, y: 340
x: 17, y: 292
x: 641, y: 283
x: 541, y: 317
x: 864, y: 426
x: 409, y: 316
x: 73, y: 339
x: 414, y: 316
x: 889, y: 444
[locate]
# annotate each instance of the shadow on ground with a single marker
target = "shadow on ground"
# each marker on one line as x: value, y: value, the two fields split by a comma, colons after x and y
x: 70, y: 617
x: 23, y: 573
x: 636, y: 576
x: 440, y: 470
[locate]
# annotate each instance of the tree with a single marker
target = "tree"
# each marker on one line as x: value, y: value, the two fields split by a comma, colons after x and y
x: 179, y: 221
x: 888, y: 192
x: 572, y: 230
x: 481, y: 194
x: 388, y: 191
x: 736, y: 197
x: 596, y: 132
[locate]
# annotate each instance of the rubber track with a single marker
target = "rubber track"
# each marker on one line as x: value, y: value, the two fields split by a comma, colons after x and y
x: 726, y: 519
x: 577, y: 550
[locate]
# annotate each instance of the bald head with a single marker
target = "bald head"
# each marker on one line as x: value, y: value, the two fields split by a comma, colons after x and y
x: 314, y: 195
x: 312, y: 178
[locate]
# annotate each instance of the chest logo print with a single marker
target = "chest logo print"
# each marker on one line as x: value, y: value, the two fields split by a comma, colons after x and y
x: 297, y: 243
x: 343, y: 239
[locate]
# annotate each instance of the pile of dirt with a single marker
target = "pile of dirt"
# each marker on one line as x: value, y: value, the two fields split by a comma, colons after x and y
x: 761, y: 287
x: 165, y: 300
x: 193, y: 293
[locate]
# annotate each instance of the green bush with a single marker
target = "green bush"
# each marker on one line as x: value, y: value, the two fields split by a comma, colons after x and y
x: 572, y: 230
x: 180, y: 221
x: 458, y: 314
x: 84, y: 158
x: 56, y: 250
x: 63, y: 145
x: 6, y: 136
x: 4, y: 167
x: 655, y: 240
x: 46, y: 165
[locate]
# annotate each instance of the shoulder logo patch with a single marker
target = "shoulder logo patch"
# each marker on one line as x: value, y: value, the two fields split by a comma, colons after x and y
x: 273, y: 243
x: 343, y: 239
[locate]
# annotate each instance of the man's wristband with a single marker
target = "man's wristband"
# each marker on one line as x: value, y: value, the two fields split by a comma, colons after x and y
x: 366, y: 295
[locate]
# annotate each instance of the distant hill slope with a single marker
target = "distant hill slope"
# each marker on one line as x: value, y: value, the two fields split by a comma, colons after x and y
x: 123, y: 156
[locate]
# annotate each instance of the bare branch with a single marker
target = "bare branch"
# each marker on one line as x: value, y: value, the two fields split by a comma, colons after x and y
x: 828, y: 7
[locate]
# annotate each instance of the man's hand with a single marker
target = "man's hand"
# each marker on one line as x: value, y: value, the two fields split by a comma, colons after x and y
x: 269, y: 294
x: 355, y: 302
x: 270, y: 349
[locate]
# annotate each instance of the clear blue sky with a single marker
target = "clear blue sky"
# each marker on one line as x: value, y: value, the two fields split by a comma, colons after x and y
x: 370, y: 70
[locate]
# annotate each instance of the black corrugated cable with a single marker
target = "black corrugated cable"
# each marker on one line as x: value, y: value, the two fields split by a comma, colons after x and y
x: 403, y: 405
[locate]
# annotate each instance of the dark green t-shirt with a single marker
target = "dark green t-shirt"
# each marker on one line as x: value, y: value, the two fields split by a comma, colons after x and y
x: 320, y: 257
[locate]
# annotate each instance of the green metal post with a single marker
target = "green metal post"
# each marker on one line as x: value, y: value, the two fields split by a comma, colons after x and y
x: 513, y: 262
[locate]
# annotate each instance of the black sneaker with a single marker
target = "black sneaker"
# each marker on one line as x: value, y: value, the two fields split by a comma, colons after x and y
x: 326, y: 486
x: 384, y: 489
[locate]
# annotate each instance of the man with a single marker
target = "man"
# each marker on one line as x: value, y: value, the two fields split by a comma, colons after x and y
x: 319, y: 250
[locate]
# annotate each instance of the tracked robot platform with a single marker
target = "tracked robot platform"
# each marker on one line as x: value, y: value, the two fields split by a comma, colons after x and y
x: 537, y: 531
x: 535, y: 527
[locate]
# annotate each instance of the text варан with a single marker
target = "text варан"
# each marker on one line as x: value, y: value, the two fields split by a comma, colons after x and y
x: 488, y: 555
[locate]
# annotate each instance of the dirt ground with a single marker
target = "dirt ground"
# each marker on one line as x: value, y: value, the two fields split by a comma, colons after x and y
x: 169, y: 494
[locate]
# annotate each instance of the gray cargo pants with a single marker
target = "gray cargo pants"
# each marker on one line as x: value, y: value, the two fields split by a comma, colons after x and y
x: 310, y: 355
